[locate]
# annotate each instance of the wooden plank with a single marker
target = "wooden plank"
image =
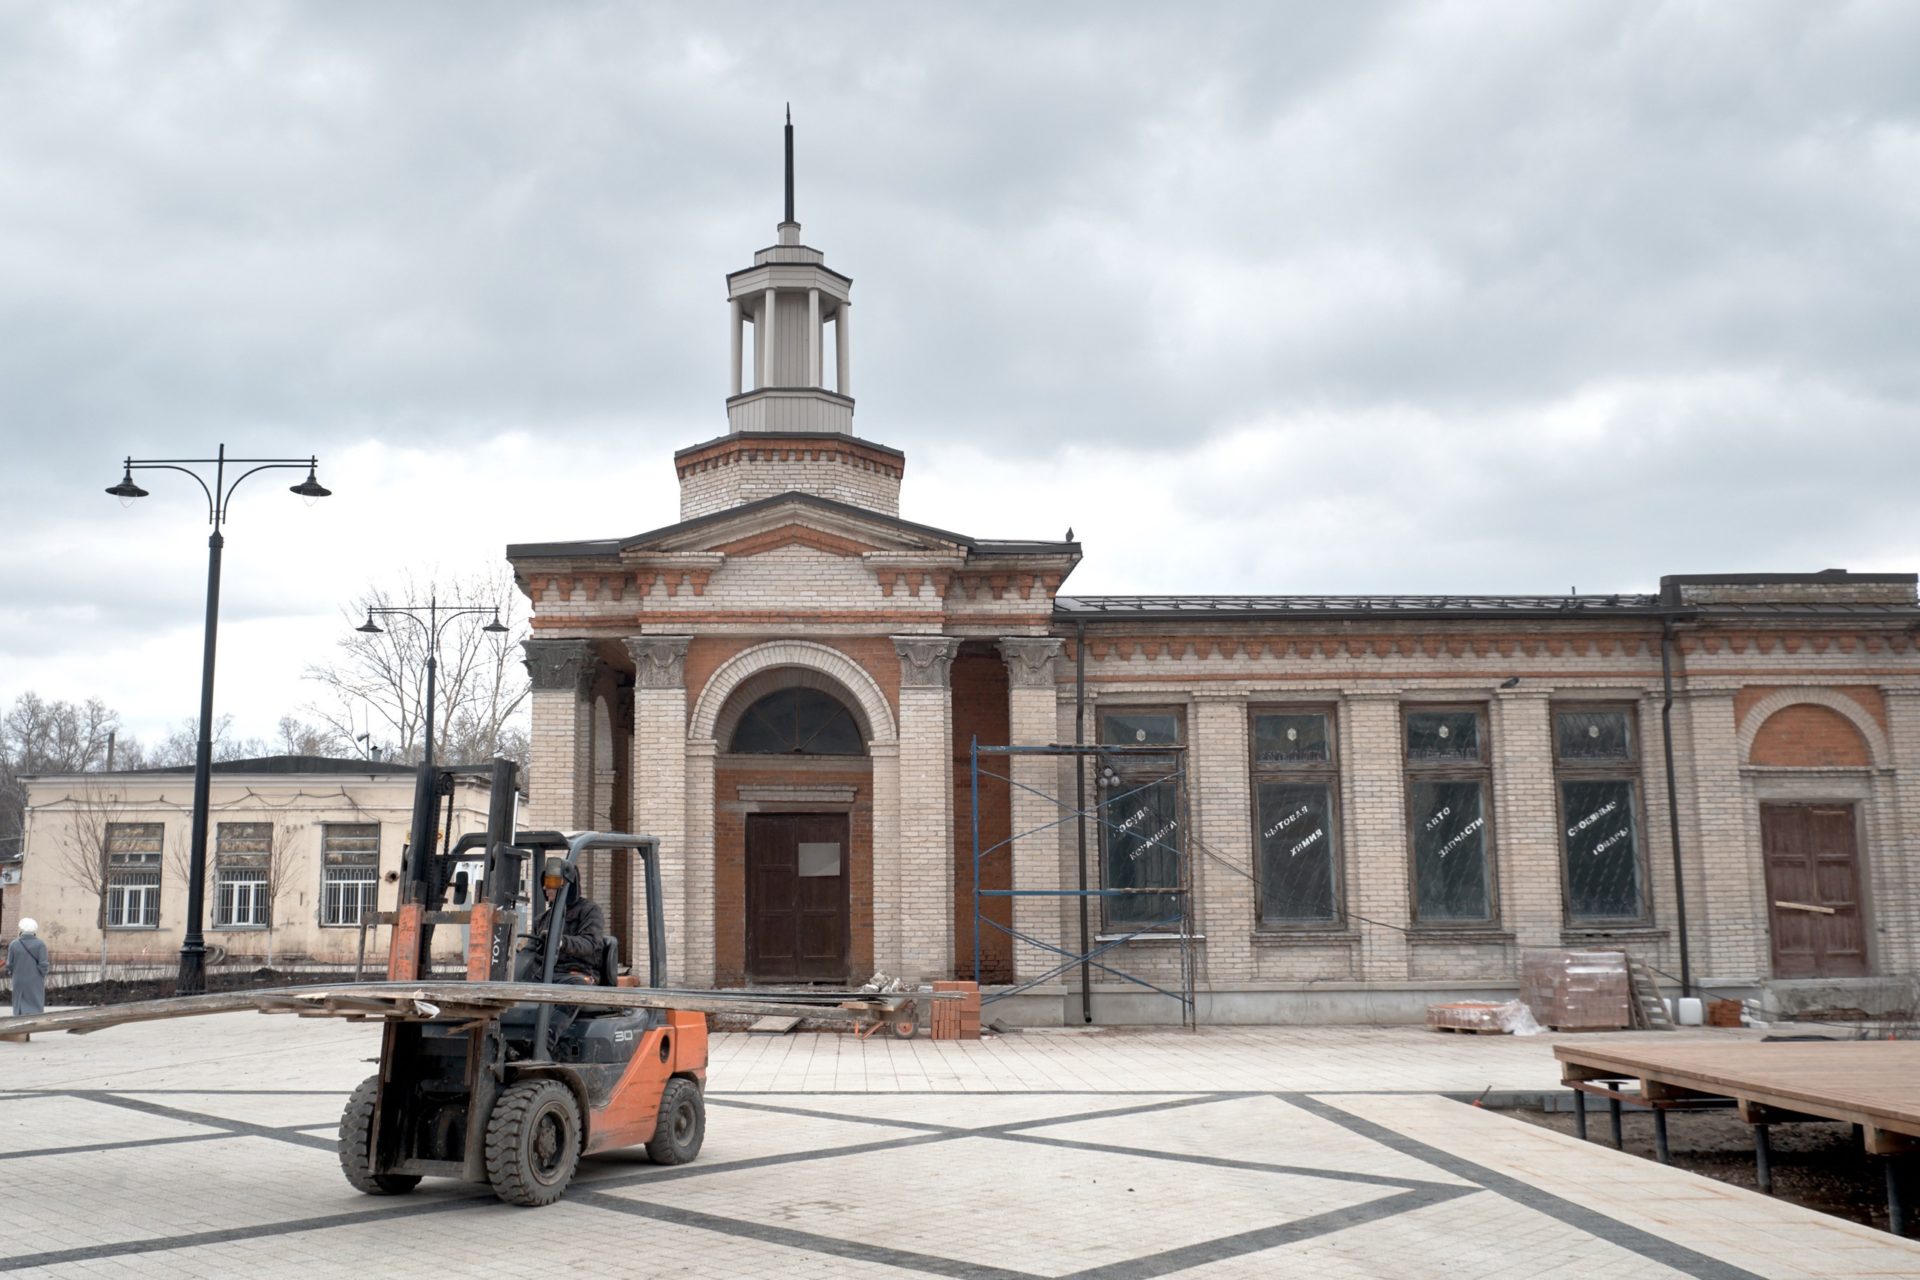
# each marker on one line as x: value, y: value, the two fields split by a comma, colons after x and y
x: 471, y: 999
x: 1867, y: 1082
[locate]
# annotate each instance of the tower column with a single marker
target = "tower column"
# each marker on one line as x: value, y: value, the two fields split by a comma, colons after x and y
x: 766, y: 338
x: 734, y: 323
x: 813, y: 338
x: 843, y: 344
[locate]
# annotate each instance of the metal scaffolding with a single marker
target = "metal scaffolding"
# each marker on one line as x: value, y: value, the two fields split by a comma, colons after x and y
x: 1175, y: 921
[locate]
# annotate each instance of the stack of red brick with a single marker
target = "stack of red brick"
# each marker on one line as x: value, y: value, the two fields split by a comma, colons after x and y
x: 956, y: 1019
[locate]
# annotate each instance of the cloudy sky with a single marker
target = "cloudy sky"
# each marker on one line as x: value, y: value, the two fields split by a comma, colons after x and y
x: 1258, y: 298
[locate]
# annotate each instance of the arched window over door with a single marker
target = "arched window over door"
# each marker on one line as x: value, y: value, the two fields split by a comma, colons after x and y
x: 797, y: 722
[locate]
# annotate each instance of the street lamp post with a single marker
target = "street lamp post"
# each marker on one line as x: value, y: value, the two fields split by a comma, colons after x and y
x: 435, y: 622
x: 193, y: 948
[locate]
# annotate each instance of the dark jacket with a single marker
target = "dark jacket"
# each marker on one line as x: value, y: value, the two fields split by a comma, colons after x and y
x: 581, y: 938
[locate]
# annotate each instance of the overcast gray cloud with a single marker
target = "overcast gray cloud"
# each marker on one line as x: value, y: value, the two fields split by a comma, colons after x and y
x: 1258, y: 297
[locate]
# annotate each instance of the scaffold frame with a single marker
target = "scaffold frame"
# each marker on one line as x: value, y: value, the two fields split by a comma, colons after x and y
x: 1178, y: 924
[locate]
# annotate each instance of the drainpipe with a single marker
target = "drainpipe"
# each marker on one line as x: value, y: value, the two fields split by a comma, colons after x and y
x: 1080, y: 802
x: 1673, y: 803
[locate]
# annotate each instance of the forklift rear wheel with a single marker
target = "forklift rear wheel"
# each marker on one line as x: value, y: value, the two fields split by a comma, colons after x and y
x: 356, y: 1146
x: 533, y: 1142
x: 682, y: 1125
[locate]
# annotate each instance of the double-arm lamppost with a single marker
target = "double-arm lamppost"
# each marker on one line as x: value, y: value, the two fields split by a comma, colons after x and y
x: 435, y: 622
x: 193, y: 948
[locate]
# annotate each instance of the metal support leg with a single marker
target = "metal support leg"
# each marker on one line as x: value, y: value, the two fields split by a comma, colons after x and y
x: 1763, y: 1159
x: 1580, y: 1114
x: 1896, y: 1203
x: 1613, y: 1110
x: 1660, y: 1136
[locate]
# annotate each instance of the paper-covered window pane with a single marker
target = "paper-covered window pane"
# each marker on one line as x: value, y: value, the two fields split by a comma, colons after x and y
x: 1449, y: 852
x: 1296, y: 853
x: 1603, y: 864
x: 1593, y: 735
x: 1440, y: 736
x: 1290, y: 738
x: 351, y: 843
x: 820, y: 858
x: 134, y: 844
x: 1142, y: 838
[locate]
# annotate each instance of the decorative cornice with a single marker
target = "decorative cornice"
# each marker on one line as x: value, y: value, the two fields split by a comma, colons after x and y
x: 1030, y: 660
x: 924, y: 660
x: 659, y: 662
x: 560, y: 664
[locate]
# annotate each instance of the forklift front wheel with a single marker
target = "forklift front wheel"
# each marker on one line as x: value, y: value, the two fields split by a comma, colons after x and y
x: 682, y: 1125
x: 533, y: 1142
x: 356, y: 1146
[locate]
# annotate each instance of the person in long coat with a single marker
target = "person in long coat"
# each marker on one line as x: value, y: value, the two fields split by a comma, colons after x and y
x: 27, y: 965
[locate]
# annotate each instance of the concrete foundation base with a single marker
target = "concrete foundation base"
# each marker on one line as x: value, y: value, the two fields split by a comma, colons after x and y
x: 1324, y: 1003
x: 1875, y: 997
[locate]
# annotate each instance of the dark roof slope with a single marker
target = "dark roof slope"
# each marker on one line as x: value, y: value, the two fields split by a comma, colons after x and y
x: 1246, y: 608
x: 291, y: 764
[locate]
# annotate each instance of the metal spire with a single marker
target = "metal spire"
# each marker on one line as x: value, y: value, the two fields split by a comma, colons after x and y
x: 789, y: 216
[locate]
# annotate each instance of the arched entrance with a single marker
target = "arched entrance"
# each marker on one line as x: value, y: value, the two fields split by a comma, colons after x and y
x: 793, y: 865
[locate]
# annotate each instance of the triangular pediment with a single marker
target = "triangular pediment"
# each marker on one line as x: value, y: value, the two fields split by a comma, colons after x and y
x: 796, y: 520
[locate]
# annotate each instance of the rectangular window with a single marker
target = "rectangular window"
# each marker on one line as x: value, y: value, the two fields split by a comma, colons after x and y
x: 1595, y: 766
x: 1294, y: 785
x: 1447, y: 784
x: 133, y: 874
x: 241, y: 854
x: 1139, y: 822
x: 350, y: 871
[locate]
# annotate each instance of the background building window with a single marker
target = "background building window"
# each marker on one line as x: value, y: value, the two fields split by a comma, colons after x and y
x: 349, y: 871
x: 1294, y: 783
x: 241, y: 853
x: 1594, y: 763
x: 1447, y: 784
x: 133, y: 874
x: 1140, y: 837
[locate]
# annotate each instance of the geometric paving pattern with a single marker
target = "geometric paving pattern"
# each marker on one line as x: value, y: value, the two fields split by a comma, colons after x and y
x: 1211, y: 1184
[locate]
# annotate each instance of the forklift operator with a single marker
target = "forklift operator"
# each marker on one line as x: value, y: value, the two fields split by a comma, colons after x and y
x: 582, y: 932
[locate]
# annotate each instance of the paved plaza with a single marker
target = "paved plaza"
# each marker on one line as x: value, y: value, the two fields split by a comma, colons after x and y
x: 206, y: 1149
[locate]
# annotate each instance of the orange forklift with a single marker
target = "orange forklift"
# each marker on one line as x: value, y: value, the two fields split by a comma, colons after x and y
x: 486, y: 1098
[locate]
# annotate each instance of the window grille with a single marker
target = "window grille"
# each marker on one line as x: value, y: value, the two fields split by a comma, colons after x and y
x: 1295, y: 785
x: 1139, y: 823
x: 1448, y: 815
x: 1595, y: 765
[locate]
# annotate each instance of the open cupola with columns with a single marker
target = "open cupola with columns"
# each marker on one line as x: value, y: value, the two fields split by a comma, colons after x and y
x: 787, y: 428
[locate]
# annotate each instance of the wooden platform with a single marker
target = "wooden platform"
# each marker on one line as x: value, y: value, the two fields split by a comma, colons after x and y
x: 1872, y: 1083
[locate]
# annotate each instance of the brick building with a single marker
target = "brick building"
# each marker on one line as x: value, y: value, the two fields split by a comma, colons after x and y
x: 1374, y: 802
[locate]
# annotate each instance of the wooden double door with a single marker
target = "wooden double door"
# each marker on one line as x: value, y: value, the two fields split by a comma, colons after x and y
x: 797, y: 897
x: 1813, y: 890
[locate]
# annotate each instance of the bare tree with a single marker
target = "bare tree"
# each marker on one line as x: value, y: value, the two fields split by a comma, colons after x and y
x: 296, y: 737
x: 481, y: 692
x: 38, y: 736
x: 279, y: 868
x: 84, y: 852
x: 182, y: 746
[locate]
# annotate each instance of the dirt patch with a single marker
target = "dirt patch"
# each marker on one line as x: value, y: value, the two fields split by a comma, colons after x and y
x: 1820, y: 1166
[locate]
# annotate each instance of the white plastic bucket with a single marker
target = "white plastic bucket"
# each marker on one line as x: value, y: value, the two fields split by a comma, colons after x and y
x: 1692, y: 1011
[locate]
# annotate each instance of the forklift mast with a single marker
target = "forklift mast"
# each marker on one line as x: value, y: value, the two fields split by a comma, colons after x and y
x: 427, y: 869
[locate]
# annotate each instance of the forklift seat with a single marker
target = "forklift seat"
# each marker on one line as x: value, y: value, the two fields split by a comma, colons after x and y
x: 609, y: 967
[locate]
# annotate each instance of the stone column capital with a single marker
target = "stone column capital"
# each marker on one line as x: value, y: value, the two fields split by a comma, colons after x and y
x: 924, y: 660
x: 659, y: 662
x: 559, y: 664
x: 1031, y: 660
